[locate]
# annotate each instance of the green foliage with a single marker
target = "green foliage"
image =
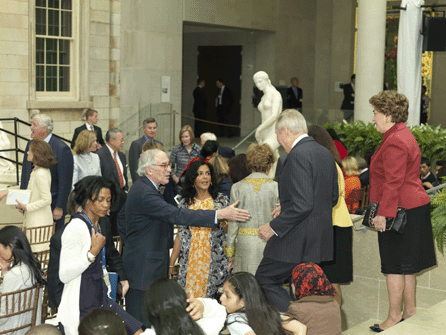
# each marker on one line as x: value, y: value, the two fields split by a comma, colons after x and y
x: 438, y: 217
x: 360, y: 138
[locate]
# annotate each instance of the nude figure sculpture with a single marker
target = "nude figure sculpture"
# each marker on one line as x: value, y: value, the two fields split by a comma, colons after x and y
x: 270, y: 106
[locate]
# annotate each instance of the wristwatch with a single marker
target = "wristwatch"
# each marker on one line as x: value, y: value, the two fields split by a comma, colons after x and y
x: 91, y: 258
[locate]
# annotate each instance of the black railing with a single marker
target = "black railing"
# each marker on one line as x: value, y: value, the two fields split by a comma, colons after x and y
x: 16, y: 148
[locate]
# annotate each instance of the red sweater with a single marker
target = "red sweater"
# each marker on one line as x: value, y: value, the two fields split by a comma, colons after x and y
x: 395, y: 172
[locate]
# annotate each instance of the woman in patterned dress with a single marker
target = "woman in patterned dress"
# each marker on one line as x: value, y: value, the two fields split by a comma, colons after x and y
x: 203, y: 264
x: 259, y: 195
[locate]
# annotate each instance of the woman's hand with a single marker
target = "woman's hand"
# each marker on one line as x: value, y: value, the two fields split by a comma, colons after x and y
x: 275, y: 213
x: 379, y: 222
x: 125, y: 287
x: 4, y: 265
x: 3, y: 194
x: 20, y: 206
x: 97, y: 242
x: 195, y: 308
x: 230, y: 263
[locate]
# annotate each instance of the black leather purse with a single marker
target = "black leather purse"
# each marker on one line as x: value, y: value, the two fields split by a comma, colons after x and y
x: 397, y: 224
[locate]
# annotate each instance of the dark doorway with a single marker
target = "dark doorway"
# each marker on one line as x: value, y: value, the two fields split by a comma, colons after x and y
x: 225, y: 63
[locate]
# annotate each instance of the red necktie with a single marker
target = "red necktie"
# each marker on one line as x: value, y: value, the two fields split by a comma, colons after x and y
x: 121, y: 178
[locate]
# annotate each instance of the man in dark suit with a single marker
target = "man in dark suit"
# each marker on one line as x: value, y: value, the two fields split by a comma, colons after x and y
x: 91, y: 117
x: 349, y: 95
x: 114, y: 167
x: 308, y: 190
x: 150, y: 127
x: 224, y: 102
x: 61, y: 173
x: 294, y: 95
x: 199, y: 109
x: 149, y: 228
x: 226, y: 152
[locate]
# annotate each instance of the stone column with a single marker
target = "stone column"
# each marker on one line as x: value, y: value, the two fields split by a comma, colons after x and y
x: 369, y: 55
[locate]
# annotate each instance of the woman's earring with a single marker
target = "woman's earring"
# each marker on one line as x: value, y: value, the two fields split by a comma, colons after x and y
x: 387, y: 120
x: 211, y: 184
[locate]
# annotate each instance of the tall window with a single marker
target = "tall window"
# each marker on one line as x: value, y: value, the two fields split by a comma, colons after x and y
x: 54, y: 45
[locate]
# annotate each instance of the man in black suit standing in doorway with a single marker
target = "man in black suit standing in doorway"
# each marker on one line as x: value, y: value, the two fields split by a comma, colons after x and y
x: 294, y: 95
x: 200, y: 105
x: 224, y: 102
x: 302, y: 228
x: 349, y: 95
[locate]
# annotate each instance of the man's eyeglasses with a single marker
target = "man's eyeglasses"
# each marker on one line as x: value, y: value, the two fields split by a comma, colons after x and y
x: 165, y: 165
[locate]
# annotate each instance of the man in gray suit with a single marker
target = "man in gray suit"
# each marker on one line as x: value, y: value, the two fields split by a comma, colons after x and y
x: 301, y: 230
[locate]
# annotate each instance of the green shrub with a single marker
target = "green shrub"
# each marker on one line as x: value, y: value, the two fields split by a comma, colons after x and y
x: 360, y: 138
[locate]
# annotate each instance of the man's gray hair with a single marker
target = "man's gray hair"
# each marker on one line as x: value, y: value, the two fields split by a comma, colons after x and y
x: 209, y: 136
x: 45, y: 121
x: 362, y: 163
x: 293, y: 120
x: 111, y: 133
x: 148, y: 158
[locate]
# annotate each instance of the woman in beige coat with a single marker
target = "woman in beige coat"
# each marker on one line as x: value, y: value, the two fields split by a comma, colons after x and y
x: 38, y: 210
x: 259, y: 195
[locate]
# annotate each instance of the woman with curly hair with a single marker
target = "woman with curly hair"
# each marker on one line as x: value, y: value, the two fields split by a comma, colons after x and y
x: 259, y: 195
x: 203, y: 264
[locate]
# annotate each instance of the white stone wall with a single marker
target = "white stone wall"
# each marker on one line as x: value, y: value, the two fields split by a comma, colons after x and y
x: 14, y: 58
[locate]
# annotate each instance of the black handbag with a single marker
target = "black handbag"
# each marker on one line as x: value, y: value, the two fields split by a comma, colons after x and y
x: 397, y: 224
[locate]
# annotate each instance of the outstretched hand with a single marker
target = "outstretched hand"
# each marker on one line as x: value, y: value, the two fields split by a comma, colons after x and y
x: 233, y: 213
x: 195, y: 308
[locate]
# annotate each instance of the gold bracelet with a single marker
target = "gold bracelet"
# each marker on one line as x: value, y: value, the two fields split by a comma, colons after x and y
x: 171, y: 266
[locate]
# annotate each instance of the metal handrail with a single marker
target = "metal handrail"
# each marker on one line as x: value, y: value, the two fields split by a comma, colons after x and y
x: 17, y: 150
x: 245, y: 138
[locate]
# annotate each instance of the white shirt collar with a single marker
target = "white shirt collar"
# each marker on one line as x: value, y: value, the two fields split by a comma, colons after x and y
x: 48, y: 138
x: 156, y: 186
x: 298, y: 139
x: 89, y: 126
x: 111, y: 150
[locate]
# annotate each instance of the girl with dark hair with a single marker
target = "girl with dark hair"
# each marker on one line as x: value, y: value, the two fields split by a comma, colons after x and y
x: 338, y: 143
x: 101, y: 321
x: 315, y: 304
x: 170, y: 312
x: 203, y: 264
x: 83, y: 258
x: 340, y: 269
x: 38, y: 210
x: 238, y: 169
x: 248, y: 311
x: 20, y: 270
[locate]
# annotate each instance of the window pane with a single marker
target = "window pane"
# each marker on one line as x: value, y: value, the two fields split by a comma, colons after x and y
x: 66, y: 24
x: 40, y: 51
x: 66, y: 4
x: 53, y: 22
x: 64, y: 52
x: 51, y: 51
x: 51, y: 78
x: 53, y: 4
x: 40, y: 21
x: 40, y: 78
x: 64, y: 78
x: 40, y: 3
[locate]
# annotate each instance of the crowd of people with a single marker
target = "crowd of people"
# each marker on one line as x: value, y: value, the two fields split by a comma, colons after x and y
x: 241, y: 235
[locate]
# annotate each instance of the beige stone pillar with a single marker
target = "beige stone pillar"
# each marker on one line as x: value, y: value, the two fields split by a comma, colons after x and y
x: 369, y: 55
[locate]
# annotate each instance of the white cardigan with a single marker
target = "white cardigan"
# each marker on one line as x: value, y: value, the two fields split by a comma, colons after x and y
x: 76, y: 242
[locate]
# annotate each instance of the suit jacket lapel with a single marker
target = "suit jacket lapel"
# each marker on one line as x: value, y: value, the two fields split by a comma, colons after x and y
x: 112, y: 163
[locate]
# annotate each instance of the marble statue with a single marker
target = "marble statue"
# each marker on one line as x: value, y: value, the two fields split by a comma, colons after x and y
x: 270, y: 107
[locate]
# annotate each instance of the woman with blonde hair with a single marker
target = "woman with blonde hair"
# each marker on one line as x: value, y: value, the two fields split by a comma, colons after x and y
x: 352, y: 182
x: 86, y: 162
x: 183, y: 153
x: 259, y: 195
x: 221, y: 169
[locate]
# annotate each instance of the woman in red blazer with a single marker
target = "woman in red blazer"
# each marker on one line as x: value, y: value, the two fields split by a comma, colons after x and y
x: 395, y: 181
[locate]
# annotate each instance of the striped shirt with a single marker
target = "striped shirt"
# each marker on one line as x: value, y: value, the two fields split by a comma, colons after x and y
x: 180, y: 157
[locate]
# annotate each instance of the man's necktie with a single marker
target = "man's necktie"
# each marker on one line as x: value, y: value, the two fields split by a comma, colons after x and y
x: 121, y: 178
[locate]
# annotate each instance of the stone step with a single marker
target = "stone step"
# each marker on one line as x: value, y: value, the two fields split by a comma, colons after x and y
x: 362, y: 328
